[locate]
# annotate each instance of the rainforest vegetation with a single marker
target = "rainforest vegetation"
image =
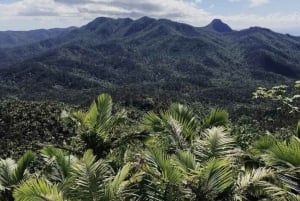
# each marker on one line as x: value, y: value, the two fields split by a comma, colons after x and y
x: 188, y: 121
x: 56, y: 152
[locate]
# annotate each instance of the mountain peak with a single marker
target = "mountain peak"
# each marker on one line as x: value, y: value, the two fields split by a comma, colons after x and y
x: 146, y: 18
x: 219, y: 26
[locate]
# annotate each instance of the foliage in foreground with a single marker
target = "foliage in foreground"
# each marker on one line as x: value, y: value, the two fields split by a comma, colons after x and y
x: 176, y: 155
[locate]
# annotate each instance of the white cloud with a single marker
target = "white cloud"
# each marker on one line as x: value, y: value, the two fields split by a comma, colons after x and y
x: 32, y: 14
x: 280, y: 22
x: 198, y: 1
x: 254, y: 3
x: 234, y: 0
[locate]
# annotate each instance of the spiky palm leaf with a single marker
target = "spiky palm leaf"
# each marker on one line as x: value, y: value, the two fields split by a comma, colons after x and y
x: 284, y: 156
x: 153, y: 122
x: 298, y: 130
x: 263, y: 182
x: 99, y: 112
x: 38, y: 190
x: 163, y: 179
x: 213, y: 179
x: 22, y: 165
x: 185, y: 116
x: 176, y: 138
x: 186, y: 160
x: 161, y: 165
x: 93, y: 179
x: 263, y: 144
x: 247, y: 183
x: 99, y: 118
x: 120, y: 187
x: 99, y: 125
x: 7, y: 168
x: 277, y: 193
x: 216, y: 142
x: 11, y: 172
x: 216, y: 117
x: 59, y: 162
x: 88, y: 178
x: 178, y: 125
x: 277, y: 153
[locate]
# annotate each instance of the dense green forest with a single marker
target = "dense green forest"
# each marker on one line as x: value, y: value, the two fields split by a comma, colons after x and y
x: 57, y: 152
x: 146, y: 58
x: 198, y: 113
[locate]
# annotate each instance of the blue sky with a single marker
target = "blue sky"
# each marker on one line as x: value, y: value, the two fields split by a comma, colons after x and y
x: 248, y: 7
x: 279, y: 15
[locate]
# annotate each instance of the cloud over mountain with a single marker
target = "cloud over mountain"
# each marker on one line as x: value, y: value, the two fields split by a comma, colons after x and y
x: 31, y: 14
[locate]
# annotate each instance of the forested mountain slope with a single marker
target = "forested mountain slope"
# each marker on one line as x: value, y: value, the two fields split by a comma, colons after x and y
x: 134, y: 59
x: 9, y: 39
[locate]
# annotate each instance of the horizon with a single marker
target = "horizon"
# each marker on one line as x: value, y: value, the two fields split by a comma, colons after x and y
x: 24, y: 15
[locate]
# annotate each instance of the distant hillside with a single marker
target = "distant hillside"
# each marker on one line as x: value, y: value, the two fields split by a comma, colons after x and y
x: 10, y: 39
x: 218, y: 26
x: 135, y: 59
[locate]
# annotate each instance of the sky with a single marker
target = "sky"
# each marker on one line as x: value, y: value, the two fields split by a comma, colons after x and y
x: 279, y: 15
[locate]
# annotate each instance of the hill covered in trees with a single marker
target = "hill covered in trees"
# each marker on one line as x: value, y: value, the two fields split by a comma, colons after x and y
x: 148, y: 146
x: 174, y: 154
x: 148, y: 58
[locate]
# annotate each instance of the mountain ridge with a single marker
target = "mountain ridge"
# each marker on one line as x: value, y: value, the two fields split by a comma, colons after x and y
x: 153, y: 58
x: 218, y: 26
x: 9, y: 39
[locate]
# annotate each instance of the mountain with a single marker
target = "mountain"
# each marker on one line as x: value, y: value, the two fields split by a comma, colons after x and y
x: 148, y: 58
x: 219, y: 26
x: 10, y: 39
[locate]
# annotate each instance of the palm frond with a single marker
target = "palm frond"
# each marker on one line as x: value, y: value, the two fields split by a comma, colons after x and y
x: 216, y: 117
x: 22, y: 165
x: 7, y: 168
x: 176, y: 138
x: 298, y: 130
x: 164, y: 179
x: 289, y: 179
x: 263, y: 144
x: 38, y: 190
x: 120, y: 187
x: 186, y: 160
x: 214, y: 178
x: 89, y: 177
x: 185, y: 116
x: 279, y: 154
x: 161, y: 166
x: 99, y: 112
x: 216, y: 142
x: 60, y: 161
x: 152, y: 122
x: 249, y: 183
x: 79, y: 115
x: 99, y: 124
x: 277, y: 193
x: 178, y: 125
x: 104, y: 107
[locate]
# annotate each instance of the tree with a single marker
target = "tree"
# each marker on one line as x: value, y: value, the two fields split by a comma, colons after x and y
x: 179, y: 125
x: 183, y: 158
x: 98, y: 126
x: 13, y: 173
x: 280, y: 94
x: 38, y: 190
x: 88, y: 179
